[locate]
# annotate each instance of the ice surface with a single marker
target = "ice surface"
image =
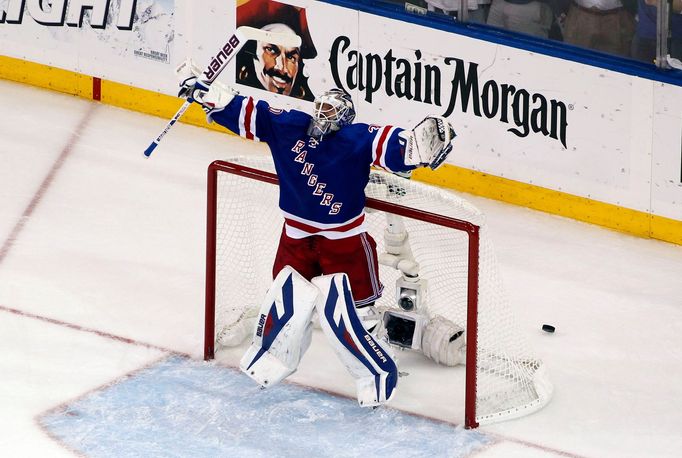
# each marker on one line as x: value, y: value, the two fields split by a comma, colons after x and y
x: 182, y: 407
x: 115, y: 243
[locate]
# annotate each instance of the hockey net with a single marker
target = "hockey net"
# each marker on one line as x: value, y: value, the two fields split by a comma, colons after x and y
x: 449, y: 240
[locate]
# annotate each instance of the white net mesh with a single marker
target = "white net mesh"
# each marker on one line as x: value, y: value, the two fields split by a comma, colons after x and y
x: 510, y: 381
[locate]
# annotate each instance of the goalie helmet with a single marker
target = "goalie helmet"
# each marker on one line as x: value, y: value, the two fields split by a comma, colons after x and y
x: 333, y: 110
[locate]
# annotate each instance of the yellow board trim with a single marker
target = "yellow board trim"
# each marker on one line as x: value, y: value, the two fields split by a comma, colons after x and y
x: 45, y: 76
x: 559, y: 203
x: 150, y: 102
x: 481, y: 184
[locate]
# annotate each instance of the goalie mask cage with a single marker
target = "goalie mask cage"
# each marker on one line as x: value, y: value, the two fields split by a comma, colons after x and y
x: 448, y: 238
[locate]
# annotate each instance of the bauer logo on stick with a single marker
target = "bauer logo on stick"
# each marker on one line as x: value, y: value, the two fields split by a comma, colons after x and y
x: 218, y: 64
x: 221, y: 58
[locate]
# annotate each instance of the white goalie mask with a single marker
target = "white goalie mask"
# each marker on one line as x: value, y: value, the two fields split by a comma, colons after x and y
x: 333, y: 110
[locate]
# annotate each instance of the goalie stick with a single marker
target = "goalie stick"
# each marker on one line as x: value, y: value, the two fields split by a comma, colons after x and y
x: 218, y: 63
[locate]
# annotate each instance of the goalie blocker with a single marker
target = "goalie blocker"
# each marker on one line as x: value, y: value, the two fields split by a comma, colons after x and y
x: 218, y: 63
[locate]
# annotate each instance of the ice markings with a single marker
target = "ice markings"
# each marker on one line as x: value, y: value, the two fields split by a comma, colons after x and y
x: 182, y: 407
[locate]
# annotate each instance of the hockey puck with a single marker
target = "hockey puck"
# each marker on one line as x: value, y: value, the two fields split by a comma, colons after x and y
x: 548, y: 328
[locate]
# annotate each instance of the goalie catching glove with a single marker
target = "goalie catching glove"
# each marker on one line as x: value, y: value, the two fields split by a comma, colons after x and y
x: 429, y: 143
x: 212, y: 98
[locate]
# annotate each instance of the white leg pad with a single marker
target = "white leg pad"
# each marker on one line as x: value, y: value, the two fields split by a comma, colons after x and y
x: 283, y: 329
x: 369, y: 360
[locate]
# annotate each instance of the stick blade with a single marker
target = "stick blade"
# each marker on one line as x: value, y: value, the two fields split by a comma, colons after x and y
x: 289, y: 40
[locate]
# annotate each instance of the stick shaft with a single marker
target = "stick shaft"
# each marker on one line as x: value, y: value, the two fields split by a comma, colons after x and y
x: 220, y: 61
x: 170, y: 124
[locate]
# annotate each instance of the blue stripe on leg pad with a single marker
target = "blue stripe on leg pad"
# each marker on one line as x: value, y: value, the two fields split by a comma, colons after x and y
x: 369, y: 347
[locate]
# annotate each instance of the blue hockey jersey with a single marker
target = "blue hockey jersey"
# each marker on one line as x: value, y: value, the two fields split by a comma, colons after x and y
x: 322, y: 183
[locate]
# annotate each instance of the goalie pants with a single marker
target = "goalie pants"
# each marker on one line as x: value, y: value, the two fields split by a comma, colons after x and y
x: 356, y: 256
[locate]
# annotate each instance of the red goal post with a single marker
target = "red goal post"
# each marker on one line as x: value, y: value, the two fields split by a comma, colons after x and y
x: 238, y: 217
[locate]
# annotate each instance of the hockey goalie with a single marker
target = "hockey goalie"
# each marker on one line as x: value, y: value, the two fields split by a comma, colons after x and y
x: 325, y: 259
x: 363, y: 338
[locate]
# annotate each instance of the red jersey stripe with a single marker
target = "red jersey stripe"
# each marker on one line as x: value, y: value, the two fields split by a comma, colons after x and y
x: 247, y: 119
x: 380, y: 146
x: 314, y: 230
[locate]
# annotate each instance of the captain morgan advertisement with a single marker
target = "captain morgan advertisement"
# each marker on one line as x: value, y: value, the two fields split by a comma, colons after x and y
x: 450, y: 85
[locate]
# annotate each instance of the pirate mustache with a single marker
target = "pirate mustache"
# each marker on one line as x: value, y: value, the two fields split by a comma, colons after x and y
x: 274, y: 73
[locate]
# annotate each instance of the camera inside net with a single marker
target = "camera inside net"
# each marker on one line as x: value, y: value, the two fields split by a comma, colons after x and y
x: 403, y: 325
x: 410, y: 293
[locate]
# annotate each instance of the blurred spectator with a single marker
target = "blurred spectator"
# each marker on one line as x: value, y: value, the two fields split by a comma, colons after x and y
x: 478, y: 9
x: 602, y: 25
x: 419, y: 4
x: 533, y: 17
x: 644, y: 42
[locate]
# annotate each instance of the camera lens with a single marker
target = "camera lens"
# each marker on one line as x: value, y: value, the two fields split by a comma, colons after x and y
x: 406, y: 303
